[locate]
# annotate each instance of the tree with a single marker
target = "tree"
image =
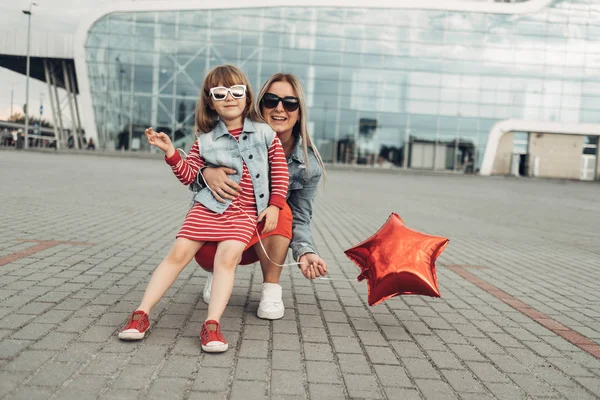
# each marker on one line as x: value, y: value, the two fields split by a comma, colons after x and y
x: 20, y: 118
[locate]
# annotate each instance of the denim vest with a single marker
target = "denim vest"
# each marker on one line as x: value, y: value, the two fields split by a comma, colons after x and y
x: 219, y: 148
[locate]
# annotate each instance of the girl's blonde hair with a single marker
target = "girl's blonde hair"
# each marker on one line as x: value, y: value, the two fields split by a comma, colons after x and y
x: 223, y: 75
x: 300, y: 129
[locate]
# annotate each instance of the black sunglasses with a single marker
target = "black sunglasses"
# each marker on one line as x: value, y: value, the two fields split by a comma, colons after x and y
x: 271, y: 100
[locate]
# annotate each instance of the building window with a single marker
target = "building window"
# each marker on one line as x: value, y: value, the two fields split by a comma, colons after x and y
x: 520, y: 142
x: 590, y: 145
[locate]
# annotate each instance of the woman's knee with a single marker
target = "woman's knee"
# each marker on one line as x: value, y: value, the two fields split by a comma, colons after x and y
x: 276, y: 247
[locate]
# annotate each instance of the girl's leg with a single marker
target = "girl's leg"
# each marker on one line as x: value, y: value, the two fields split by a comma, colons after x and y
x: 277, y: 248
x: 168, y: 270
x: 229, y: 254
x: 271, y: 303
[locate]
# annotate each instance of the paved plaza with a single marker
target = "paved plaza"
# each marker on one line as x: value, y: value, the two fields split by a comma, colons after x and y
x: 519, y: 316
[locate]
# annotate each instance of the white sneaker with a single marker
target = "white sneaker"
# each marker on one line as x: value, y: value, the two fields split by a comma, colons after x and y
x: 271, y: 304
x: 207, y: 288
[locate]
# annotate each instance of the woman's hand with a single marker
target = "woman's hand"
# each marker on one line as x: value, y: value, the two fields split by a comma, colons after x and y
x: 160, y: 140
x: 222, y: 185
x: 271, y: 215
x: 312, y: 266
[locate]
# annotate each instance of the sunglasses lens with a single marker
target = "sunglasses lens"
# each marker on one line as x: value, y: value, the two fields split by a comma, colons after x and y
x: 269, y: 100
x: 238, y: 91
x: 219, y: 93
x: 291, y: 104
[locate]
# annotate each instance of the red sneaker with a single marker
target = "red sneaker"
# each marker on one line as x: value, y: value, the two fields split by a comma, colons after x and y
x: 136, y: 327
x: 211, y: 337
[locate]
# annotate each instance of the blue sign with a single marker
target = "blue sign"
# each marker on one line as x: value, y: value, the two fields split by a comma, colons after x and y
x: 41, y: 109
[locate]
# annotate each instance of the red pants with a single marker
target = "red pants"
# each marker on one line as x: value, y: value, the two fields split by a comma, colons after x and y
x: 205, y: 257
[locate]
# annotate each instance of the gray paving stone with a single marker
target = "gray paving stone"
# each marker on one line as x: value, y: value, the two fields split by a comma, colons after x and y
x: 251, y: 369
x: 32, y: 393
x: 254, y: 349
x: 167, y: 389
x: 445, y: 359
x: 105, y: 364
x: 462, y: 381
x: 9, y: 348
x: 402, y: 393
x: 92, y: 384
x: 286, y: 360
x: 346, y: 345
x: 420, y: 368
x: 120, y: 394
x: 381, y: 355
x: 322, y: 372
x: 78, y: 352
x: 318, y: 352
x: 354, y: 363
x: 244, y: 390
x: 326, y: 391
x: 211, y: 379
x: 394, y: 376
x: 532, y: 385
x: 180, y: 367
x: 287, y: 383
x: 54, y: 374
x: 134, y: 377
x: 363, y: 386
x: 435, y: 389
x: 28, y: 360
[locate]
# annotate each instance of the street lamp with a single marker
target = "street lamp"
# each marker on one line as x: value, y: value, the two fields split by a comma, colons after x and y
x: 28, y: 13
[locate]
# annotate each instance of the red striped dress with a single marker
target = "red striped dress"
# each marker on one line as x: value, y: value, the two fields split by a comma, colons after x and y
x: 202, y: 224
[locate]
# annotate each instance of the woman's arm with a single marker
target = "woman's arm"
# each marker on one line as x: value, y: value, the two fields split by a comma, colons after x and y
x: 217, y: 178
x: 301, y: 203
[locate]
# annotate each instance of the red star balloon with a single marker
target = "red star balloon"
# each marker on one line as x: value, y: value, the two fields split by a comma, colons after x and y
x: 397, y: 260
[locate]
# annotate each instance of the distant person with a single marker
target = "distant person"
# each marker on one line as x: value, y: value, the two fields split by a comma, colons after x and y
x: 91, y: 145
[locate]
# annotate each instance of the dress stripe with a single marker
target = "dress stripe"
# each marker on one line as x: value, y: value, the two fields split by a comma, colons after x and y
x: 201, y: 224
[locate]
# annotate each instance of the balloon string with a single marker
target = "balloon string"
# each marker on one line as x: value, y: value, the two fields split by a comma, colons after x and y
x: 249, y: 217
x: 332, y: 279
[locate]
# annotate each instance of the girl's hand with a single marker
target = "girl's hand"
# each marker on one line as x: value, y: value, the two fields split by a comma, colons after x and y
x: 224, y: 187
x: 160, y: 140
x: 271, y: 215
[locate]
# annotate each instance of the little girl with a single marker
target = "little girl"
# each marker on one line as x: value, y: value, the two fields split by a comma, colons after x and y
x: 230, y: 133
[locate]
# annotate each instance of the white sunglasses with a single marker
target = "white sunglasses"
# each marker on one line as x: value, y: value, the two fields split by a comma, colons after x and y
x: 220, y: 92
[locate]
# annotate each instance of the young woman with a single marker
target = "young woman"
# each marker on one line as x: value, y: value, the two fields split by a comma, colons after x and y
x: 281, y: 104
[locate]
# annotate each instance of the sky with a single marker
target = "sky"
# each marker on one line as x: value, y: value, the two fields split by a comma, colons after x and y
x: 59, y: 16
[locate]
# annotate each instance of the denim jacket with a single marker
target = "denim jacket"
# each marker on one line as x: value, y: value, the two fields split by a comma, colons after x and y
x: 219, y: 148
x: 301, y: 194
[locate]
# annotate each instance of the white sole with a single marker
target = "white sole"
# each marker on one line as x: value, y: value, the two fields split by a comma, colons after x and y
x: 219, y: 348
x: 270, y: 314
x: 131, y: 335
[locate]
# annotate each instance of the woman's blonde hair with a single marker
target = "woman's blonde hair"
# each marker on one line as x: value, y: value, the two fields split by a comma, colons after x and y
x: 223, y: 75
x: 300, y: 128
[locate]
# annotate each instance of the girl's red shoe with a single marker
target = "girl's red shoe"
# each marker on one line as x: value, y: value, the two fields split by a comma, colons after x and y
x: 211, y: 337
x: 136, y: 327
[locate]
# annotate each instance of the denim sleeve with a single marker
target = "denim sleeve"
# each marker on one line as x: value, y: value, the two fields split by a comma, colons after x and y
x: 301, y: 203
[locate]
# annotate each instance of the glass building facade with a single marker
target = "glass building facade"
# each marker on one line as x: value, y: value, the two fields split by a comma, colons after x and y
x: 385, y: 87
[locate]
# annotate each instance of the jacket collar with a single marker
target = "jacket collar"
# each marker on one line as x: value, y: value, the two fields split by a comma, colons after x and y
x: 297, y: 153
x: 220, y: 129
